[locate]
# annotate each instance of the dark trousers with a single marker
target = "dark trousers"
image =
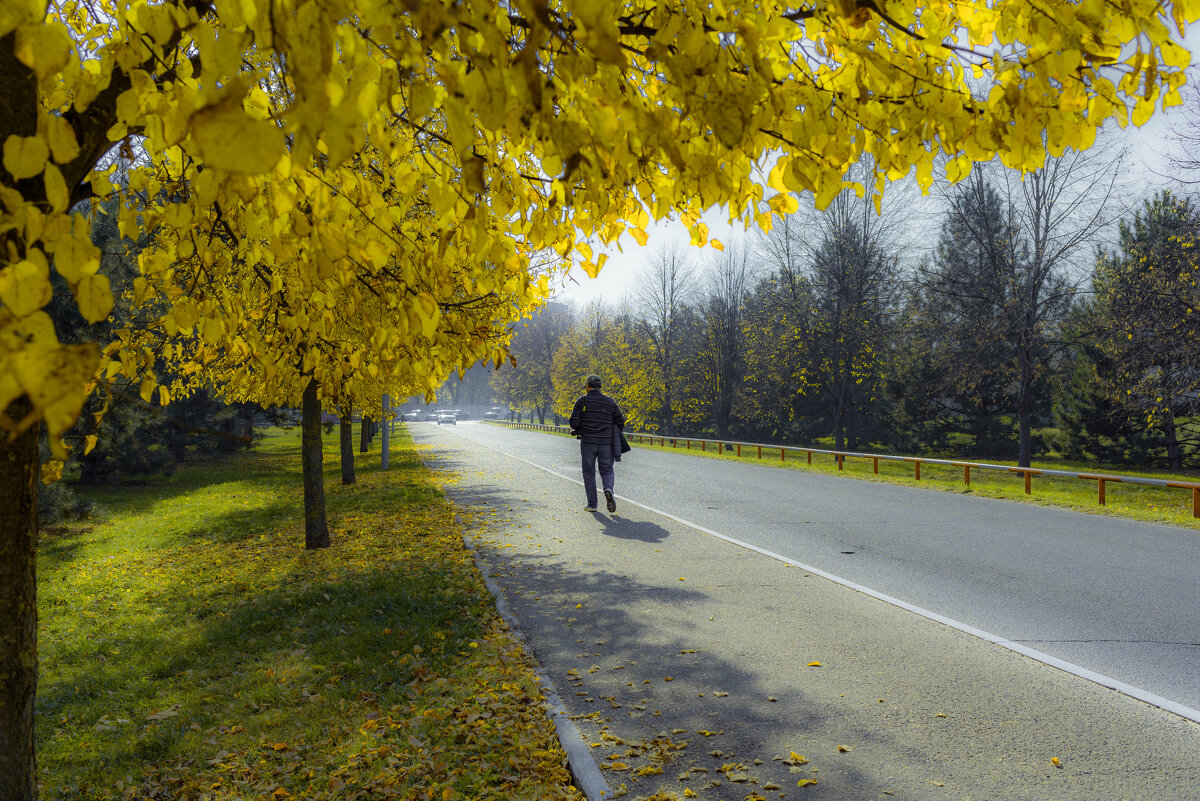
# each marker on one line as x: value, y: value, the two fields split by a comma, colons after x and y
x: 592, y: 453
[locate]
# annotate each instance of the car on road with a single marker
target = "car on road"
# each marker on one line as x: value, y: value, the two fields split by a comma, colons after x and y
x: 447, y: 417
x: 494, y: 413
x: 461, y: 415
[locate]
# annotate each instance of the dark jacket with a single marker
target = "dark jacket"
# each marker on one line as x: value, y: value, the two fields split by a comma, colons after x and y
x: 597, y: 419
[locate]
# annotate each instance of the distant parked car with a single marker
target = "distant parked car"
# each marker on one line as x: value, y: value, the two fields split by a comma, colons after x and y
x: 494, y: 413
x: 447, y: 417
x: 412, y: 417
x: 461, y: 414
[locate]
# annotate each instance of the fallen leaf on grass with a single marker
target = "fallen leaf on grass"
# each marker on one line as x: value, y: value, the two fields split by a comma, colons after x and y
x: 805, y: 782
x: 845, y: 749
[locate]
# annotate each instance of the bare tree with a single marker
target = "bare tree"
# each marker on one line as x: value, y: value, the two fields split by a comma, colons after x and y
x: 722, y: 356
x: 853, y: 267
x: 667, y: 286
x: 528, y: 379
x: 1029, y: 265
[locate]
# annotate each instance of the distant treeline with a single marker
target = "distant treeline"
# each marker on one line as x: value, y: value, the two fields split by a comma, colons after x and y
x: 1020, y: 330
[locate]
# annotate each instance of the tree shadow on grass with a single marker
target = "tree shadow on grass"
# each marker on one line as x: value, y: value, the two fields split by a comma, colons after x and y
x: 347, y: 637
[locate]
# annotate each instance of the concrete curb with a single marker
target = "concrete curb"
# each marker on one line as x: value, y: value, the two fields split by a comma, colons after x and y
x: 583, y: 766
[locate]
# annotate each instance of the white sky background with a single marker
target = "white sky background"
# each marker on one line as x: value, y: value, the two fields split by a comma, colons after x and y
x: 1146, y: 170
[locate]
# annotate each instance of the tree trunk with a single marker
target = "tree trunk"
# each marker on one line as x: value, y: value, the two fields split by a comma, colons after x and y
x: 316, y: 529
x: 18, y: 607
x: 1174, y: 455
x: 386, y: 440
x: 247, y: 418
x: 1025, y: 414
x: 364, y: 434
x: 346, y: 432
x: 839, y: 413
x: 541, y: 410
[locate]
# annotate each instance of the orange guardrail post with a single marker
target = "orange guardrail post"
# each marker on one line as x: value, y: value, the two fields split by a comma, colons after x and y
x: 739, y: 446
x: 760, y: 451
x: 876, y: 465
x: 917, y: 465
x: 689, y: 444
x: 719, y: 448
x: 840, y: 459
x: 703, y: 445
x: 967, y: 474
x: 1100, y: 491
x: 782, y: 455
x: 1195, y: 501
x: 809, y: 456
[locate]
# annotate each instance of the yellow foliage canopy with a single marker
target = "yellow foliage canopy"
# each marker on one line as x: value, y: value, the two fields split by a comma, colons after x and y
x: 479, y: 135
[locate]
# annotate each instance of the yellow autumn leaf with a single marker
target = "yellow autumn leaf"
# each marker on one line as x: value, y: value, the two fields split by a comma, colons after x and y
x: 641, y: 236
x: 44, y: 47
x: 229, y: 139
x: 25, y: 156
x: 52, y: 471
x: 57, y: 194
x: 805, y: 782
x: 25, y: 288
x: 814, y: 664
x: 90, y: 444
x: 94, y: 296
x: 784, y: 203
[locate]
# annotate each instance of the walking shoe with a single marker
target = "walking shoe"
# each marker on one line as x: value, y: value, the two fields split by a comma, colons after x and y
x: 612, y: 503
x: 590, y: 509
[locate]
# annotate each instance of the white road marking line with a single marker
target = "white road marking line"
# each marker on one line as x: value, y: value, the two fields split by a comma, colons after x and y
x: 1039, y: 656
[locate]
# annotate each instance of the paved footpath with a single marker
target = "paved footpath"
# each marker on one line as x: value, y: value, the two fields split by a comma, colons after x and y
x: 687, y: 663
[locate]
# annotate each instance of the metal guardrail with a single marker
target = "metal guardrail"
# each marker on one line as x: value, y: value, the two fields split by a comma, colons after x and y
x: 1101, y: 479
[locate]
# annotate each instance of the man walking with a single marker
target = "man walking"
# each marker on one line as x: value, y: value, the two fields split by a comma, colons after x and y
x: 597, y: 421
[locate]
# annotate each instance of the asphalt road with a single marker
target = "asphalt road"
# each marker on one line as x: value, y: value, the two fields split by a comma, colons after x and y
x: 1117, y: 597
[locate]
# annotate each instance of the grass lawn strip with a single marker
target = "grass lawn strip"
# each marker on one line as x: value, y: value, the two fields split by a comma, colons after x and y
x: 1135, y: 501
x: 192, y: 649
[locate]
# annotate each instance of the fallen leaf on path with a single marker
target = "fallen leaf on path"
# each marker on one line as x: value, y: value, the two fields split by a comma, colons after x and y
x: 814, y: 664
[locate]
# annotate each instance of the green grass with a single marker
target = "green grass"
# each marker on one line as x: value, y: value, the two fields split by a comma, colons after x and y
x: 1137, y: 502
x: 191, y: 648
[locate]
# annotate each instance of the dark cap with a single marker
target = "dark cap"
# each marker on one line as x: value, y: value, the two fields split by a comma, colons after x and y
x: 593, y: 381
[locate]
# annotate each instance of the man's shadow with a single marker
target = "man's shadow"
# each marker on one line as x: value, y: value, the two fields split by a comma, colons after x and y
x: 624, y: 529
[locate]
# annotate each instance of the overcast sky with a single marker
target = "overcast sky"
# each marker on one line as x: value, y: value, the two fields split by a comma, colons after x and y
x: 1148, y: 163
